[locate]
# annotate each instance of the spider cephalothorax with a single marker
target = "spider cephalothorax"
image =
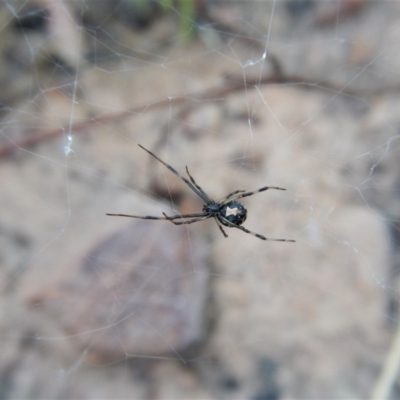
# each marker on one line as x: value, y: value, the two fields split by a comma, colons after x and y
x: 228, y: 211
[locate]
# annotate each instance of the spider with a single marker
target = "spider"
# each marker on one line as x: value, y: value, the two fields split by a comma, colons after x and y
x: 228, y: 211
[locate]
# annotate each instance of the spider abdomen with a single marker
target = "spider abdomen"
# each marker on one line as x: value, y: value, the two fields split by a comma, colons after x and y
x: 234, y: 212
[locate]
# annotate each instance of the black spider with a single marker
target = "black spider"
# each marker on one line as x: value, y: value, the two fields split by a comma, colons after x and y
x: 228, y: 211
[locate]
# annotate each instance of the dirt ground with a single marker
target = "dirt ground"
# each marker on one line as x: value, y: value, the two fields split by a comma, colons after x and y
x: 301, y: 95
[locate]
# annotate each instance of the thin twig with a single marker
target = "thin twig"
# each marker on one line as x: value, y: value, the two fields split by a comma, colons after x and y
x: 213, y: 94
x: 390, y: 371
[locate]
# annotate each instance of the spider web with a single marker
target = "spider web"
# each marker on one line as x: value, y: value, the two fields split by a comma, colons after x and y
x: 296, y: 94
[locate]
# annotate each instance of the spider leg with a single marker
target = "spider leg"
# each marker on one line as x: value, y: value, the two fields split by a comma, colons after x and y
x: 220, y: 227
x: 239, y: 196
x: 190, y: 184
x: 158, y: 218
x: 242, y: 228
x: 205, y: 216
x: 229, y: 195
x: 197, y: 186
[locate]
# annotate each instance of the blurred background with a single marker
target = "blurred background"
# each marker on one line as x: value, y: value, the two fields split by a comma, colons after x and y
x: 298, y: 94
